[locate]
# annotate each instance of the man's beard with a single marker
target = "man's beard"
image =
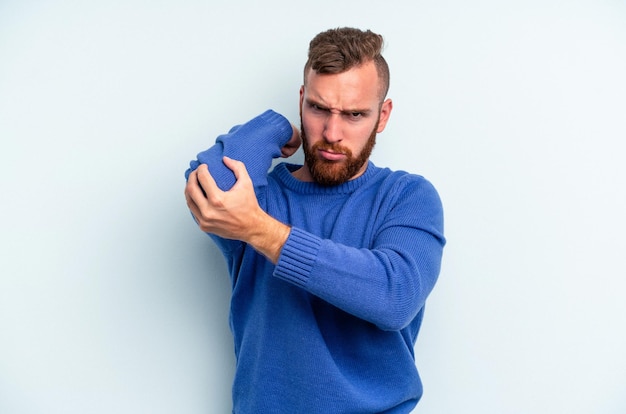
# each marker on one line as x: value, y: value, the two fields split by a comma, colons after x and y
x: 329, y: 173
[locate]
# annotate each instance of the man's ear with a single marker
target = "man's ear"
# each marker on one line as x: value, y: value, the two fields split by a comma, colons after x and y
x: 385, y: 112
x: 301, y: 98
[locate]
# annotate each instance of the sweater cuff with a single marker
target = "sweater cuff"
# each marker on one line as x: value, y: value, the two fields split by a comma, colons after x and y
x: 298, y: 257
x: 282, y: 125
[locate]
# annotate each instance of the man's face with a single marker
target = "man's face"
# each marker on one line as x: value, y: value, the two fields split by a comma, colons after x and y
x: 341, y: 115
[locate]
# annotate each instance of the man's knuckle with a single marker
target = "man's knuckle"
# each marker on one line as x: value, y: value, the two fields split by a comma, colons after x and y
x: 216, y: 200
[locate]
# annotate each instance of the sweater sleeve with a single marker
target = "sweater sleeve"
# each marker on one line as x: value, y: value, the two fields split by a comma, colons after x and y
x: 386, y: 283
x: 256, y: 143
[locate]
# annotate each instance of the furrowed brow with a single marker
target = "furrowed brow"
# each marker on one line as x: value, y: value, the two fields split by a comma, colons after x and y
x: 364, y: 111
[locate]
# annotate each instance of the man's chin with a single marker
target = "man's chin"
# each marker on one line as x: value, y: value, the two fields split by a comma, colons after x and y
x: 330, y: 173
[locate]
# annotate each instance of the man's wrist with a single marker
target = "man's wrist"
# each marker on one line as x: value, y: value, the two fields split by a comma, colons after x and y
x: 269, y: 236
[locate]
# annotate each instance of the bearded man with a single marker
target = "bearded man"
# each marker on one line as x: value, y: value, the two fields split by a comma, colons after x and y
x: 330, y: 262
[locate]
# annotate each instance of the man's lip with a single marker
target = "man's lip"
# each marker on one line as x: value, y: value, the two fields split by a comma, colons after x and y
x: 331, y: 155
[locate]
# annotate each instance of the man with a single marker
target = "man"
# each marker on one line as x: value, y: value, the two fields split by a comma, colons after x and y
x: 330, y: 262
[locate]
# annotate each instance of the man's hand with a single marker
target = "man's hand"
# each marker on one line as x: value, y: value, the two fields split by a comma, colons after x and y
x: 292, y: 145
x: 234, y: 214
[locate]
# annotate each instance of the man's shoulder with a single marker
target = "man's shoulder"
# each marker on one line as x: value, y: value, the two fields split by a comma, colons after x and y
x: 401, y: 177
x: 403, y: 185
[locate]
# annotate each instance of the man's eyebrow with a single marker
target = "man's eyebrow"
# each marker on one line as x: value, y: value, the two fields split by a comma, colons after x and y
x: 364, y: 111
x: 311, y: 101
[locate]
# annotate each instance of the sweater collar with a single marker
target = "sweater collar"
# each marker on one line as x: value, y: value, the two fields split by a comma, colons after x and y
x: 283, y: 172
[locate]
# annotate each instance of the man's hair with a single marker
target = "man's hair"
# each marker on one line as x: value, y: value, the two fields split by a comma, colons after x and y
x: 339, y: 50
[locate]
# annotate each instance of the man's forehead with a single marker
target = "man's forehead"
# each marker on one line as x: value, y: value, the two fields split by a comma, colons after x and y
x: 354, y: 88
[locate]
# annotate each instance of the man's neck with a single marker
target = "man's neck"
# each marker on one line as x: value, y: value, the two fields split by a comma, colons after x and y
x: 302, y: 174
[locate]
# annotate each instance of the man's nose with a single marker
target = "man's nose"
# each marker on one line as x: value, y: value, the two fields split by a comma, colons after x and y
x: 332, y: 128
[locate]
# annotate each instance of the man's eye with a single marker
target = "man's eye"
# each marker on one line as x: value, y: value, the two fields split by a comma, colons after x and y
x: 354, y: 116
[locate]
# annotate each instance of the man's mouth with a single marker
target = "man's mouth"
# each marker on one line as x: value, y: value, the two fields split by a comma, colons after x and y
x: 331, y: 155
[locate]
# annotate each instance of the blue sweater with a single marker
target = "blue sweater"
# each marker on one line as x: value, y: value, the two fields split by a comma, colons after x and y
x: 331, y: 327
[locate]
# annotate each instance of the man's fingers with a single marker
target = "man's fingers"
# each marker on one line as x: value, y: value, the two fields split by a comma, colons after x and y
x: 192, y: 182
x: 238, y: 168
x: 192, y: 193
x: 205, y: 180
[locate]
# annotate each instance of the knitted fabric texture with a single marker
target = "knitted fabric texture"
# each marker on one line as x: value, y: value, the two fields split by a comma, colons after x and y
x: 331, y: 327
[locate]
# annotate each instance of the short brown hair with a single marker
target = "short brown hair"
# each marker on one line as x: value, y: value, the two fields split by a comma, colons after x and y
x: 338, y: 50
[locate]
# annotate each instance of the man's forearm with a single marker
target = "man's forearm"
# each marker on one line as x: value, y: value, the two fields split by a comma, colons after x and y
x: 268, y: 236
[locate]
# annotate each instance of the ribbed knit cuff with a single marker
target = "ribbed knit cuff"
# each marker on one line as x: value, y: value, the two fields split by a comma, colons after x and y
x: 282, y: 126
x: 298, y: 257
